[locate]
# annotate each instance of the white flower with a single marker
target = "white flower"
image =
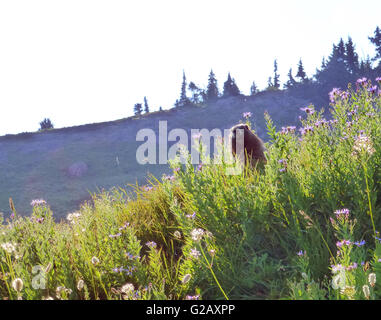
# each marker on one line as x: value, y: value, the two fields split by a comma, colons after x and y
x: 9, y: 247
x: 80, y: 284
x: 197, y: 234
x: 363, y: 143
x: 17, y: 284
x: 94, y: 261
x: 177, y: 234
x: 127, y: 289
x: 47, y: 298
x: 73, y: 217
x: 365, y: 289
x: 186, y: 278
x: 372, y: 279
x: 338, y: 281
x: 195, y: 253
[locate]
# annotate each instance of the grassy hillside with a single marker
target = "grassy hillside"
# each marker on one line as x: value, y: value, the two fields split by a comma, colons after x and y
x: 37, y: 165
x: 305, y: 226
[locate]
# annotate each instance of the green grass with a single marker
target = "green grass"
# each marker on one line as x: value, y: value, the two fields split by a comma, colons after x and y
x: 272, y: 232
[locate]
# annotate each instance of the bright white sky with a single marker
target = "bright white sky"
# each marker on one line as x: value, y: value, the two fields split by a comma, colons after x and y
x: 85, y: 61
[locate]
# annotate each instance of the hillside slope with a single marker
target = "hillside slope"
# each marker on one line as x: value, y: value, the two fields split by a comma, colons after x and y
x: 63, y: 165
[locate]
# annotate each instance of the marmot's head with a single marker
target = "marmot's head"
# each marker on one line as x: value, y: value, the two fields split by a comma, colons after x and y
x: 233, y: 130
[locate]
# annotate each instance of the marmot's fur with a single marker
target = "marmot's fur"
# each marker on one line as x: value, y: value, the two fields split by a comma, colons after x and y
x: 253, y: 145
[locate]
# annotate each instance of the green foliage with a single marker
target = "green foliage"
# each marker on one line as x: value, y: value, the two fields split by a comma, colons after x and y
x: 302, y: 226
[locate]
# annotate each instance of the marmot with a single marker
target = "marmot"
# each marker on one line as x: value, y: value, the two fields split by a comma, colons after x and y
x: 253, y: 145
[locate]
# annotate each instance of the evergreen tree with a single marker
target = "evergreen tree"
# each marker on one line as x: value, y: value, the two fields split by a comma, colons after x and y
x: 197, y: 93
x: 276, y: 83
x: 301, y: 73
x: 340, y: 51
x: 230, y: 87
x: 376, y: 40
x: 212, y: 89
x: 146, y: 108
x: 138, y: 109
x: 253, y: 89
x: 351, y: 57
x: 183, y: 95
x: 46, y: 124
x: 291, y: 82
x: 269, y: 83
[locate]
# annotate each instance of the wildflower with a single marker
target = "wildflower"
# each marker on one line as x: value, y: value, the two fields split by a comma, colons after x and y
x: 176, y: 169
x: 372, y: 89
x: 177, y: 234
x: 37, y: 202
x: 186, y: 278
x: 72, y: 217
x: 363, y: 143
x: 212, y: 252
x: 62, y: 289
x: 342, y: 213
x: 337, y: 268
x: 197, y: 234
x: 80, y: 284
x: 127, y: 289
x: 191, y: 216
x: 301, y: 253
x: 94, y: 261
x: 17, y: 284
x: 372, y: 279
x: 47, y: 298
x: 247, y: 115
x: 348, y: 291
x: 115, y: 235
x: 124, y: 226
x: 352, y: 266
x: 305, y: 130
x: 194, y: 253
x: 40, y: 220
x: 199, y: 167
x: 365, y: 289
x: 378, y: 79
x: 308, y: 110
x: 9, y: 247
x: 359, y: 243
x: 151, y: 244
x: 290, y: 129
x: 339, y: 244
x: 188, y: 297
x: 336, y: 92
x: 147, y: 188
x: 362, y: 81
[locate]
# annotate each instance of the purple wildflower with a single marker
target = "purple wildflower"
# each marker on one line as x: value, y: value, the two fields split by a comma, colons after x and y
x: 361, y: 81
x: 372, y: 89
x: 191, y: 216
x: 247, y: 115
x: 151, y: 244
x: 308, y: 110
x: 37, y: 202
x: 359, y: 243
x: 336, y: 92
x: 378, y: 79
x: 342, y: 212
x: 300, y: 253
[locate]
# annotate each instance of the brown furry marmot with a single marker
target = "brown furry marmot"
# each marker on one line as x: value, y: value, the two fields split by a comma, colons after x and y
x: 253, y: 145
